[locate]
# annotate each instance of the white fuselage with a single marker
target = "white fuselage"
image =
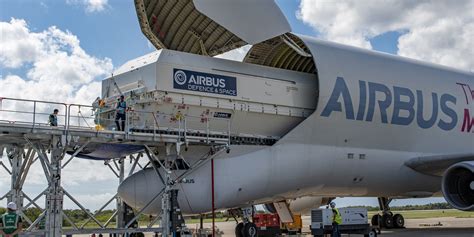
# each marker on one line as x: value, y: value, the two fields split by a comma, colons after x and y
x: 374, y: 112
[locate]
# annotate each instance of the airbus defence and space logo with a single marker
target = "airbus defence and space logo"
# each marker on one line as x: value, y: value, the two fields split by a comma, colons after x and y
x: 204, y: 82
x: 180, y: 77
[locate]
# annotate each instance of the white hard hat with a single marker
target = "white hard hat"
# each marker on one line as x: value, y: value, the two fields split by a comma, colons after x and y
x: 11, y: 206
x: 332, y: 204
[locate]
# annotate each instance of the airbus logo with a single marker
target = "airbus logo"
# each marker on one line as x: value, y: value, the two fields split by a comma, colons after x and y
x: 406, y: 106
x: 204, y: 82
x: 180, y: 77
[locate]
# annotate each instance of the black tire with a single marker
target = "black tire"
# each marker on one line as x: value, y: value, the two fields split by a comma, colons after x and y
x: 387, y: 221
x: 376, y: 219
x: 372, y: 233
x: 238, y: 229
x: 270, y: 207
x: 398, y: 221
x: 249, y: 230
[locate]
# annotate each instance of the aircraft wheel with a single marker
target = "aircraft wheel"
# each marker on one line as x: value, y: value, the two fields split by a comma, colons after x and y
x: 249, y: 230
x: 372, y: 233
x: 387, y: 221
x: 376, y: 219
x: 238, y: 230
x: 398, y: 221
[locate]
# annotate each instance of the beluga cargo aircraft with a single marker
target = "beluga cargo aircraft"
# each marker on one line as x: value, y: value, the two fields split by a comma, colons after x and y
x: 304, y: 120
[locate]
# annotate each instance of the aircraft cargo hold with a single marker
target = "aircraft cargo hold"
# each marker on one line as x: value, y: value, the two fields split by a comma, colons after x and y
x: 251, y: 103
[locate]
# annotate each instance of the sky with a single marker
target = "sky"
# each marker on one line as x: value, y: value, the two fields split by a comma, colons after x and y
x: 59, y: 50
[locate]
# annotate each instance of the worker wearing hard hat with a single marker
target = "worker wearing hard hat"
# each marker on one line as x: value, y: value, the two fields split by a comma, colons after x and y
x: 10, y: 222
x: 336, y: 220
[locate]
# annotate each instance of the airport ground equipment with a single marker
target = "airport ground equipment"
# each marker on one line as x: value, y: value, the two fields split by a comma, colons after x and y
x: 294, y: 227
x: 26, y: 138
x: 354, y: 221
x: 268, y: 224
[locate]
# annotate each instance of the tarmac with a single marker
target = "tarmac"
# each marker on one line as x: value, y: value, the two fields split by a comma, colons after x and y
x: 437, y: 227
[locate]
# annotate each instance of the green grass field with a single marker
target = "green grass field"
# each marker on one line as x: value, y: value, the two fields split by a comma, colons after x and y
x: 422, y: 214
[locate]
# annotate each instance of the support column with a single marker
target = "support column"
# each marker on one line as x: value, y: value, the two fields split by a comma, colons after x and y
x: 54, y: 195
x: 121, y: 209
x: 15, y: 154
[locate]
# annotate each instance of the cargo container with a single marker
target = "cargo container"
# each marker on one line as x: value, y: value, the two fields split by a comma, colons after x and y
x: 250, y: 102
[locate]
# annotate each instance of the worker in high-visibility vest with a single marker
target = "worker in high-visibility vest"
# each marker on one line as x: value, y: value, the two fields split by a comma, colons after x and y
x: 10, y: 222
x: 336, y: 220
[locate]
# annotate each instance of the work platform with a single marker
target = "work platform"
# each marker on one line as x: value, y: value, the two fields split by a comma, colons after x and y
x: 26, y: 138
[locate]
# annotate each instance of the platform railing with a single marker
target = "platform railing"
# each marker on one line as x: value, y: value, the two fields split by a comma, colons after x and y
x: 35, y: 114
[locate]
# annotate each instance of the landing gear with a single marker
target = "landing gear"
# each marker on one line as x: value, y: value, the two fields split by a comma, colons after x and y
x: 245, y: 228
x: 238, y: 229
x: 249, y: 230
x: 387, y: 219
x: 398, y: 221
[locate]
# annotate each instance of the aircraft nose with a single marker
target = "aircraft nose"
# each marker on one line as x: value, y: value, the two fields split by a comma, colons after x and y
x: 138, y: 189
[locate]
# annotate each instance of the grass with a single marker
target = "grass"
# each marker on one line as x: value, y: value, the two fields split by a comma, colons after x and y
x: 423, y: 214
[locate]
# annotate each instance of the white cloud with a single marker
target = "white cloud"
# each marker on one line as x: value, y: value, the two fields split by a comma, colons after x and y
x: 436, y: 31
x: 57, y: 68
x: 91, y: 5
x: 18, y: 44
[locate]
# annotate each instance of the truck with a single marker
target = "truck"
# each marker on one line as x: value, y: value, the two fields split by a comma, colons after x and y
x: 354, y: 221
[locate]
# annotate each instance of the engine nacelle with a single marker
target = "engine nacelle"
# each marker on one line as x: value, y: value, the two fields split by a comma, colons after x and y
x: 302, y: 205
x: 458, y: 185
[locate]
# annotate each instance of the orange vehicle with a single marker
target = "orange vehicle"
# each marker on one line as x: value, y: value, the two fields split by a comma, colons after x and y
x: 294, y: 227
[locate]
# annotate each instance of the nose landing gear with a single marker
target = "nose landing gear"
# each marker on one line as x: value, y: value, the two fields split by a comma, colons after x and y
x: 246, y: 228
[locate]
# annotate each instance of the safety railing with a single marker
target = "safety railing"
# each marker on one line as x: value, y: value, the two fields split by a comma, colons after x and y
x: 35, y: 114
x: 180, y: 125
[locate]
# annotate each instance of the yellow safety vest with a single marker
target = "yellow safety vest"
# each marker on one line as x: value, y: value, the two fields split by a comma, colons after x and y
x: 336, y: 216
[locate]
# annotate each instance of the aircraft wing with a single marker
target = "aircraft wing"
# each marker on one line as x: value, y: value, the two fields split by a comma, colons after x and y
x: 436, y: 165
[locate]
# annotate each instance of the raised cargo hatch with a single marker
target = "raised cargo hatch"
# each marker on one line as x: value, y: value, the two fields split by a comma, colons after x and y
x: 209, y: 27
x: 287, y: 52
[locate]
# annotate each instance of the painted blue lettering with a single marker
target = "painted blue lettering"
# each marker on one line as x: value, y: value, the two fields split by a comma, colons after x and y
x: 362, y: 100
x: 422, y: 123
x: 340, y: 89
x: 383, y: 104
x: 399, y: 105
x: 445, y: 98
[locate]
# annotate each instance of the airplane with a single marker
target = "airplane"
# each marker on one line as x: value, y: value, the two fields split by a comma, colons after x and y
x: 310, y: 120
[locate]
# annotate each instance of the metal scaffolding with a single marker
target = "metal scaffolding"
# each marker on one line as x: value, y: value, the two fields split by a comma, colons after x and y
x: 28, y: 141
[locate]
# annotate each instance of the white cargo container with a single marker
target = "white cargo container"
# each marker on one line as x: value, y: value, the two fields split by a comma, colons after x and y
x: 215, y: 95
x: 354, y: 221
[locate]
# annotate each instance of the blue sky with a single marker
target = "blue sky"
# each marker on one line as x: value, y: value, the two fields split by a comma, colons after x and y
x: 113, y: 32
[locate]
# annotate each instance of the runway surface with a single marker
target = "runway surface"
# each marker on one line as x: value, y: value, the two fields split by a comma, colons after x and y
x: 450, y: 227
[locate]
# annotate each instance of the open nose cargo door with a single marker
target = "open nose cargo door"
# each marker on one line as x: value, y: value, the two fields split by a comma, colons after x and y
x: 209, y: 27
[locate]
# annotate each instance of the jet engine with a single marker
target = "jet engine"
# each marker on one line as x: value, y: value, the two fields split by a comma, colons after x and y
x: 458, y: 185
x: 301, y: 205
